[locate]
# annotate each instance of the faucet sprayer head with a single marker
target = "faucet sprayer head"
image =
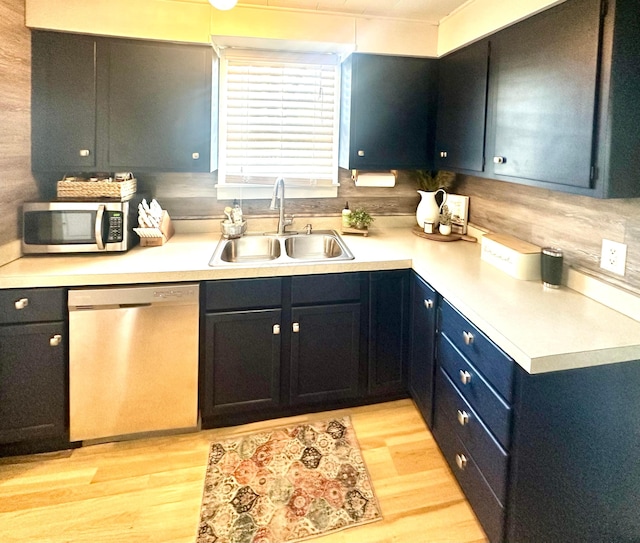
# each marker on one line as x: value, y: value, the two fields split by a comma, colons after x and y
x: 278, y: 192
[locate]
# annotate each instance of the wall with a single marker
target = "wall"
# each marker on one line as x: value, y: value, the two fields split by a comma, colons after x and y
x: 177, y: 20
x: 478, y: 18
x: 153, y: 19
x: 577, y: 224
x: 16, y: 182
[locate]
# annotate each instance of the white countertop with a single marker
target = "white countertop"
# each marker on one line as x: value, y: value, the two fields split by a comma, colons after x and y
x: 541, y: 329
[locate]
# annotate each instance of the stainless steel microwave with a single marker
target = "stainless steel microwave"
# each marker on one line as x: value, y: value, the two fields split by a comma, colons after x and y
x: 79, y: 226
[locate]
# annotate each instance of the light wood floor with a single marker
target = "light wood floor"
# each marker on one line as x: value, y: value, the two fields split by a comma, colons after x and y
x: 149, y: 490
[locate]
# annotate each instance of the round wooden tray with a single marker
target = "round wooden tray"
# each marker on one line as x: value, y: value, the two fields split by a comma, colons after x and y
x: 440, y: 237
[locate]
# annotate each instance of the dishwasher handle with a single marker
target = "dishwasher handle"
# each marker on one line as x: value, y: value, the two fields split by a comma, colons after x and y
x: 140, y: 296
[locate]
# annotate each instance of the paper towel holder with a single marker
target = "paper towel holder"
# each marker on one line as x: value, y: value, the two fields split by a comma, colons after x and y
x: 374, y: 179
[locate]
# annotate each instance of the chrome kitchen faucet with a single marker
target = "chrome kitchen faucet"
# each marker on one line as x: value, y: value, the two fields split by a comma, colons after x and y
x: 278, y: 193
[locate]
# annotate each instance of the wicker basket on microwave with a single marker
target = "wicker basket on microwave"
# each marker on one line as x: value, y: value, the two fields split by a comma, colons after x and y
x: 86, y: 189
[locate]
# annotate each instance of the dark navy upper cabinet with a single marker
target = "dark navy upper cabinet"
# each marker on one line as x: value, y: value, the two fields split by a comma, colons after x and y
x: 561, y: 102
x: 63, y: 101
x: 462, y: 103
x: 106, y: 104
x: 543, y: 96
x: 387, y: 112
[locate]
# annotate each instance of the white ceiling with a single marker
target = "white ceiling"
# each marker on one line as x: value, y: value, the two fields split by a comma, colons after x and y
x: 424, y: 10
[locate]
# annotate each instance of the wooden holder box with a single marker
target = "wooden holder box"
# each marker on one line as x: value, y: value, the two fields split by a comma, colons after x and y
x: 154, y: 237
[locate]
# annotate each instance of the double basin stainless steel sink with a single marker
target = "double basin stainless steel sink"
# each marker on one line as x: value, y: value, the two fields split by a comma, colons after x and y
x: 320, y: 246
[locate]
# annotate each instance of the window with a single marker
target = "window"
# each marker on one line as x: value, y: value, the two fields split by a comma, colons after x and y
x: 279, y: 117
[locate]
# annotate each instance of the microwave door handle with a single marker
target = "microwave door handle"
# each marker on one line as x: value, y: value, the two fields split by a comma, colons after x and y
x: 98, y: 227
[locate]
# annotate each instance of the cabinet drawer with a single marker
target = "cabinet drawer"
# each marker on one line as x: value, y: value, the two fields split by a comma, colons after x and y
x: 458, y: 416
x: 495, y: 365
x: 32, y: 305
x: 482, y: 499
x: 243, y: 294
x: 327, y: 288
x: 494, y: 411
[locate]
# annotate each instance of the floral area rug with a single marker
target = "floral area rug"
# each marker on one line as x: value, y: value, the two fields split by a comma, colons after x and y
x: 286, y: 485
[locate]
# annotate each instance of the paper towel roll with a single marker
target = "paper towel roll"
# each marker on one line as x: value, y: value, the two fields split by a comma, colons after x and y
x: 375, y: 180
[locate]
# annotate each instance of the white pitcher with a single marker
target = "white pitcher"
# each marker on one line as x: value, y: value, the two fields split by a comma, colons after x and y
x: 428, y: 209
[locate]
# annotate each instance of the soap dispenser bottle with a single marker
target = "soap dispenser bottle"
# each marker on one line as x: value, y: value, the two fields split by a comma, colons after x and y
x: 237, y: 212
x: 346, y: 215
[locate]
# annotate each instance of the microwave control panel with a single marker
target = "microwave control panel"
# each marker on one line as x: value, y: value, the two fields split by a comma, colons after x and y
x: 114, y: 225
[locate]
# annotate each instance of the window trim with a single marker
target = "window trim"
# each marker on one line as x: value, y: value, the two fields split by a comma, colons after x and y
x: 230, y: 190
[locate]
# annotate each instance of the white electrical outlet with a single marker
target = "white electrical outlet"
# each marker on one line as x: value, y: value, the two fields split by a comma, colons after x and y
x: 613, y: 257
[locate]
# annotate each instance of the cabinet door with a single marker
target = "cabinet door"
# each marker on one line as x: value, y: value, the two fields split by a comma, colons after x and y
x: 325, y: 353
x: 424, y: 303
x: 543, y: 87
x: 242, y: 362
x: 63, y: 102
x: 388, y: 332
x: 159, y: 106
x: 33, y: 370
x: 387, y: 112
x: 462, y: 106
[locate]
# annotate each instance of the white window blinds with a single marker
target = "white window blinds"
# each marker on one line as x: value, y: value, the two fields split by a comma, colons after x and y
x: 279, y: 117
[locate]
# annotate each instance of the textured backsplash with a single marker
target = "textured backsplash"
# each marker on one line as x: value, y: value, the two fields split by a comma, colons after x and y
x: 577, y: 224
x: 16, y: 182
x: 193, y: 196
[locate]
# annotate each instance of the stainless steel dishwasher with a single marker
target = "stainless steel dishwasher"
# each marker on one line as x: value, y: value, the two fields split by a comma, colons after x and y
x: 133, y: 360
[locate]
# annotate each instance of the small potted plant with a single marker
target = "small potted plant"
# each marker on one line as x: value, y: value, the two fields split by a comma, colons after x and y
x: 445, y: 221
x: 360, y: 219
x: 431, y: 181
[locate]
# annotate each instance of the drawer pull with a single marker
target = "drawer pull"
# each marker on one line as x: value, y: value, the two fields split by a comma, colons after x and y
x: 295, y: 327
x: 463, y: 417
x: 55, y: 340
x: 465, y: 377
x: 461, y: 461
x: 22, y: 303
x: 468, y: 337
x: 276, y: 329
x: 428, y: 304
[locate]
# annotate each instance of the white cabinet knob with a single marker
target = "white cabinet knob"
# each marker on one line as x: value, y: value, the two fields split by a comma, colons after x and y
x: 84, y: 152
x: 428, y: 304
x: 360, y: 152
x: 463, y: 417
x: 461, y: 461
x: 465, y: 377
x: 54, y: 341
x: 467, y: 337
x: 21, y: 303
x: 276, y: 329
x: 295, y: 327
x: 499, y: 159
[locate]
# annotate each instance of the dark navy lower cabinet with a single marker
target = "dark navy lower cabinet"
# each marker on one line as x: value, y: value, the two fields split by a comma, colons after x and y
x: 575, y: 475
x: 34, y: 409
x: 424, y: 307
x: 472, y: 415
x: 542, y: 458
x: 388, y: 333
x: 274, y: 346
